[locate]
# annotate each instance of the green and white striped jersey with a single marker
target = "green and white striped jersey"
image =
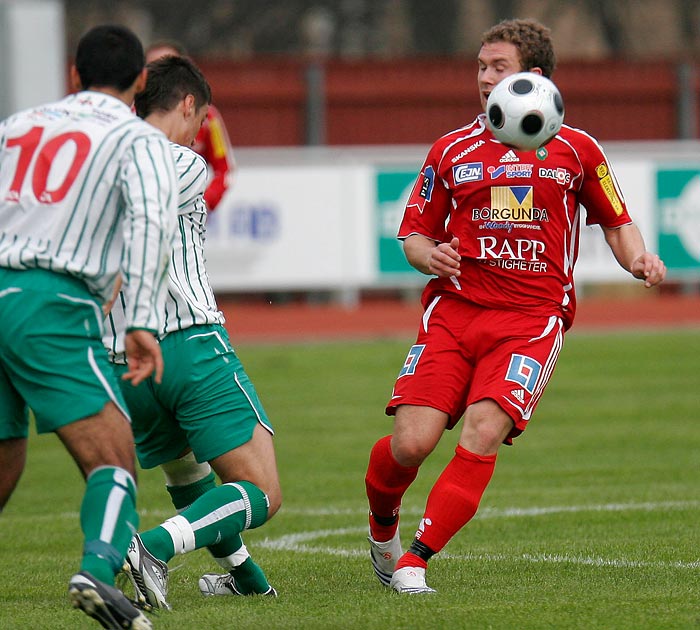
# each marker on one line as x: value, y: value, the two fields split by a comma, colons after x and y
x: 190, y: 298
x: 89, y: 189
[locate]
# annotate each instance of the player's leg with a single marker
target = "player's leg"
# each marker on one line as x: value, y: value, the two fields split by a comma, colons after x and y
x: 514, y: 370
x: 225, y: 424
x: 393, y: 466
x: 187, y: 480
x: 427, y: 398
x: 218, y: 516
x: 62, y: 373
x: 454, y: 499
x: 102, y: 446
x: 13, y: 455
x: 255, y: 461
x: 14, y: 429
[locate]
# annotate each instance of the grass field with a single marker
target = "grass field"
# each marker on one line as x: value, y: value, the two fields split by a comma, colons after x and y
x: 591, y: 520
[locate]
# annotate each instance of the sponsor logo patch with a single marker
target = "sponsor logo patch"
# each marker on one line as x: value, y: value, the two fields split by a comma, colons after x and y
x: 560, y: 175
x: 608, y: 185
x: 426, y: 189
x: 509, y: 156
x: 510, y: 170
x: 409, y: 366
x: 519, y: 395
x: 524, y: 371
x: 517, y: 199
x: 471, y: 172
x: 468, y: 150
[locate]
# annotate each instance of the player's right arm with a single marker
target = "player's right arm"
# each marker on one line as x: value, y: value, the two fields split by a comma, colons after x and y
x: 426, y: 244
x: 149, y: 185
x: 431, y: 258
x: 150, y: 189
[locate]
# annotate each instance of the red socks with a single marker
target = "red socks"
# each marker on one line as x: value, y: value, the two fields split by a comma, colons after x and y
x: 454, y: 499
x: 386, y: 482
x: 452, y: 502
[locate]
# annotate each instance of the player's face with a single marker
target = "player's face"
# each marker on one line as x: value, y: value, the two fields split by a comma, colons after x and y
x: 497, y: 60
x: 195, y: 124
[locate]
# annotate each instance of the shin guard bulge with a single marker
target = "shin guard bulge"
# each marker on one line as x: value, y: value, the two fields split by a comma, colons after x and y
x: 386, y: 482
x: 455, y: 497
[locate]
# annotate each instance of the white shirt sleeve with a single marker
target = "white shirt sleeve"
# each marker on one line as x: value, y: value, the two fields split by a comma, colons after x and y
x: 150, y: 190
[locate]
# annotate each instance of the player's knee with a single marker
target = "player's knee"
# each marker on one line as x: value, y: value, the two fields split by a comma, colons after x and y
x: 275, y: 502
x: 486, y: 425
x: 410, y: 451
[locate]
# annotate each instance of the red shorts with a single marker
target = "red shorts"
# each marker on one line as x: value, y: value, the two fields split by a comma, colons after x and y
x: 466, y: 353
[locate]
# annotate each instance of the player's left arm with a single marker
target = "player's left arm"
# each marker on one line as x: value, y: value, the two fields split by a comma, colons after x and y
x: 627, y: 244
x: 605, y: 205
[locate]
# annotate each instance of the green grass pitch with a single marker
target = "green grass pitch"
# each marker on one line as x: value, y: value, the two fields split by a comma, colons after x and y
x: 591, y: 520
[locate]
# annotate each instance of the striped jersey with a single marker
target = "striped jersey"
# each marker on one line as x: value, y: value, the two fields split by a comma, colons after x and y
x: 516, y: 214
x: 89, y: 189
x: 190, y: 300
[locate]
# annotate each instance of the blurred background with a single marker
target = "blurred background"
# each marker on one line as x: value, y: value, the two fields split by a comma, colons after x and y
x: 403, y: 71
x: 331, y: 105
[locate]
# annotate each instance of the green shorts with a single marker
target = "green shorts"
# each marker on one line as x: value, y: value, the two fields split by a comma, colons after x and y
x: 51, y: 354
x: 205, y: 401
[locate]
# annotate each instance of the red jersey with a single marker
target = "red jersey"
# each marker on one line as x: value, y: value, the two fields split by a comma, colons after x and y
x: 213, y: 144
x: 516, y: 214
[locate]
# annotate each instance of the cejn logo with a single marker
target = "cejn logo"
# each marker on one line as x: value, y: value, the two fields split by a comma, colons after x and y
x: 471, y: 172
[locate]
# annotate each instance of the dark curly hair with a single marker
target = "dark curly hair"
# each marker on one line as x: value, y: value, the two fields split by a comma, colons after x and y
x: 532, y: 39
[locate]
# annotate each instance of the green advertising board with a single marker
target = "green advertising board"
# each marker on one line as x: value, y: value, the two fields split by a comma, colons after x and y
x: 393, y: 186
x: 678, y: 197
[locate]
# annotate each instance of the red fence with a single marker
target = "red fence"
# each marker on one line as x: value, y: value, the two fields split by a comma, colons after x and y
x: 265, y: 101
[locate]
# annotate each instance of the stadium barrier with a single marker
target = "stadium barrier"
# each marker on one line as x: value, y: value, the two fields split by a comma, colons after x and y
x: 325, y: 219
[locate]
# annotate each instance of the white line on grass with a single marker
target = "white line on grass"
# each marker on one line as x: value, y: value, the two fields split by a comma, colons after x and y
x: 487, y: 512
x: 297, y: 543
x: 483, y: 513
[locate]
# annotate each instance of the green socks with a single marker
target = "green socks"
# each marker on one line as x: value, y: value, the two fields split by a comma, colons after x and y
x: 108, y: 519
x: 230, y: 553
x: 250, y: 578
x: 220, y: 514
x: 184, y: 496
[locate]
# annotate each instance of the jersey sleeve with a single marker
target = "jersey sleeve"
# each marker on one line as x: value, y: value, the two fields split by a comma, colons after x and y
x: 428, y: 206
x: 149, y: 184
x: 600, y: 192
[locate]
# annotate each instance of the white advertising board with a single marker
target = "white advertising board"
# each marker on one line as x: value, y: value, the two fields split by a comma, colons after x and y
x: 306, y: 220
x: 291, y: 228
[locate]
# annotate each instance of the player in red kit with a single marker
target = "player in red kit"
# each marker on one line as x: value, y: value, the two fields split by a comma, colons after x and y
x: 212, y: 141
x: 498, y: 229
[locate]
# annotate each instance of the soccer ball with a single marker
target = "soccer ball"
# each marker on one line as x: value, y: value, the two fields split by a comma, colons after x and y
x: 525, y: 110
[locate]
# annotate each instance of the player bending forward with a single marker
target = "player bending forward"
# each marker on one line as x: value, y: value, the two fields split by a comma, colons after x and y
x: 205, y: 411
x: 87, y: 191
x: 498, y: 306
